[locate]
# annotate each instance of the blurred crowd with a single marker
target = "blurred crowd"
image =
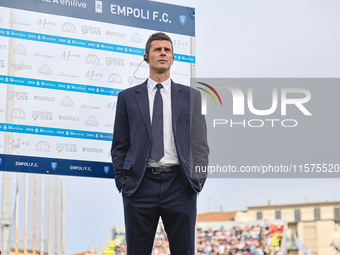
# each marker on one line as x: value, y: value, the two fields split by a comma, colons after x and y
x: 160, y: 247
x: 262, y: 239
x: 253, y: 240
x: 120, y: 247
x: 161, y: 243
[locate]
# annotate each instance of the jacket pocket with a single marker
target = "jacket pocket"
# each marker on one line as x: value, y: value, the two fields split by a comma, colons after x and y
x: 127, y: 165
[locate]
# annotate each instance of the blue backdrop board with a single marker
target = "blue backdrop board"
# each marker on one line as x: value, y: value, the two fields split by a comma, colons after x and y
x: 62, y: 65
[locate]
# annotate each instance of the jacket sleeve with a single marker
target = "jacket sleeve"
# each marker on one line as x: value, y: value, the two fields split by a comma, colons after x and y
x: 121, y: 140
x: 198, y: 139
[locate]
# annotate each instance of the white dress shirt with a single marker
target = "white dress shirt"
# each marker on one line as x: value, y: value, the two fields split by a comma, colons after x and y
x: 170, y: 155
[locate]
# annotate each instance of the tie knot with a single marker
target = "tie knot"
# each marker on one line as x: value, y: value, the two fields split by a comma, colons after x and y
x: 159, y: 86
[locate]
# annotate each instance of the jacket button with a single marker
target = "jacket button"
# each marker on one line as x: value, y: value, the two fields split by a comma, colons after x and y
x: 146, y: 160
x: 149, y: 142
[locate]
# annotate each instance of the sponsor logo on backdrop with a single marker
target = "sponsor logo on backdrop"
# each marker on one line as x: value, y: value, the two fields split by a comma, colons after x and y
x: 43, y: 146
x: 54, y: 165
x: 44, y: 23
x: 19, y: 23
x: 2, y: 63
x: 19, y: 50
x: 180, y: 44
x: 133, y: 81
x: 41, y: 115
x: 142, y: 65
x: 18, y: 114
x: 99, y: 6
x: 92, y: 59
x: 16, y: 95
x: 115, y: 34
x: 81, y: 168
x: 90, y: 30
x: 85, y: 106
x: 114, y: 61
x: 183, y: 19
x: 111, y: 106
x: 70, y: 56
x: 91, y: 121
x: 74, y: 3
x: 66, y: 147
x: 68, y: 118
x: 67, y: 102
x: 115, y: 78
x: 26, y: 164
x: 92, y: 75
x: 43, y: 98
x: 140, y: 13
x: 18, y: 143
x: 17, y: 66
x: 45, y: 70
x: 68, y: 27
x: 108, y: 125
x: 180, y: 74
x: 38, y: 54
x: 3, y: 47
x: 106, y: 169
x: 62, y: 74
x: 92, y: 150
x: 136, y: 38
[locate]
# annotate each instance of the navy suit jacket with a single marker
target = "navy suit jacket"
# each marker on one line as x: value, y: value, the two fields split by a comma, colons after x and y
x: 132, y: 133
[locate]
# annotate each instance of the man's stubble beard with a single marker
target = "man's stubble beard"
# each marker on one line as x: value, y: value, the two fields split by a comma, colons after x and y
x: 161, y: 70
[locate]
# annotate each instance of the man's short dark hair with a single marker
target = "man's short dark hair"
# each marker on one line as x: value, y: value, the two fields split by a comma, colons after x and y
x: 157, y: 36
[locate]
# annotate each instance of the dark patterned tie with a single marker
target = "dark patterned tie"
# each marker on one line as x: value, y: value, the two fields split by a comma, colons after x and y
x: 157, y: 143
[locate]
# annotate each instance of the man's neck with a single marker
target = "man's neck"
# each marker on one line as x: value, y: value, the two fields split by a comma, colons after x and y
x: 160, y: 77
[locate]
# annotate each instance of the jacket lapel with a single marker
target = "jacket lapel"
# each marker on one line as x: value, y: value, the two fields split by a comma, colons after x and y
x: 176, y: 103
x: 143, y: 104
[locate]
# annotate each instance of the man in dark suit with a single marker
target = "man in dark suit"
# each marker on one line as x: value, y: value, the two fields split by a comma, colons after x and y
x: 159, y: 137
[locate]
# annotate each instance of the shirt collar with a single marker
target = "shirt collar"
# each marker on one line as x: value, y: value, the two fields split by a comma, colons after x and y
x: 152, y: 84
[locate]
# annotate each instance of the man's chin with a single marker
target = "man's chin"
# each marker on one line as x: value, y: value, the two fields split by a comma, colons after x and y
x: 162, y: 70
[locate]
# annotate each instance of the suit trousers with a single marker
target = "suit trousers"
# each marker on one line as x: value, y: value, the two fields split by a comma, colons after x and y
x: 161, y: 195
